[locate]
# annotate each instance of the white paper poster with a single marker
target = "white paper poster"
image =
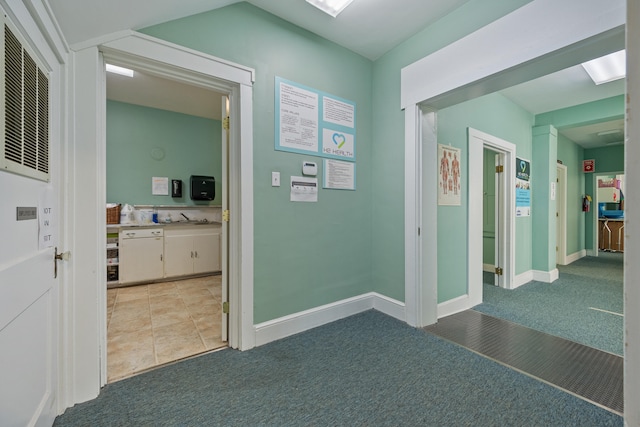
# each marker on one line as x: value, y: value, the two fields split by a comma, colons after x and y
x: 339, y: 175
x: 159, y: 186
x: 298, y: 118
x: 449, y: 176
x: 309, y: 121
x: 47, y: 220
x: 304, y: 189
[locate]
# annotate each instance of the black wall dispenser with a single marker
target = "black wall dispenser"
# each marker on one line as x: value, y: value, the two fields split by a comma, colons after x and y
x: 203, y: 187
x: 176, y: 188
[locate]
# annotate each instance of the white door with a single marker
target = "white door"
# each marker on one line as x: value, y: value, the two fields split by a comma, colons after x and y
x: 561, y: 216
x: 30, y: 227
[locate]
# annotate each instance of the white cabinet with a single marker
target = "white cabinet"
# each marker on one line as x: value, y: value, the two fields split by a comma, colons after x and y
x: 141, y: 255
x: 191, y: 250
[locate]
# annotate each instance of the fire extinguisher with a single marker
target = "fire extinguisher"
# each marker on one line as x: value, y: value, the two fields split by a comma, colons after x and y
x: 586, y: 203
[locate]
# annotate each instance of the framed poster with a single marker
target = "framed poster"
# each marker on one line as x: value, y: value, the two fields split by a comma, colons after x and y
x: 449, y: 176
x: 309, y: 121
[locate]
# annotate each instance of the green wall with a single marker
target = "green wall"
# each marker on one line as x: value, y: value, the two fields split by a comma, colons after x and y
x: 388, y: 134
x: 608, y: 159
x: 190, y: 145
x: 496, y: 115
x: 306, y: 254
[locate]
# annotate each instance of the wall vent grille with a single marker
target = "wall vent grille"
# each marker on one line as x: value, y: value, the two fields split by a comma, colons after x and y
x: 24, y: 120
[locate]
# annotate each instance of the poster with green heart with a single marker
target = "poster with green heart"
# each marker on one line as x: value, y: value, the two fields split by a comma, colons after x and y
x: 313, y: 122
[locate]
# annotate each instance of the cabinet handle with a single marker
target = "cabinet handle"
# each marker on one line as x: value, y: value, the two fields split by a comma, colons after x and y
x: 160, y: 257
x: 196, y: 254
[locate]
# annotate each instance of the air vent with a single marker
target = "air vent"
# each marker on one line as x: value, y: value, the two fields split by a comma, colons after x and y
x: 24, y: 120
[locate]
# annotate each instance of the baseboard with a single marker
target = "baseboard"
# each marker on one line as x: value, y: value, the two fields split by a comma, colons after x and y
x: 489, y: 268
x: 546, y: 276
x: 591, y: 252
x: 522, y: 278
x: 295, y: 323
x: 576, y: 256
x: 456, y: 305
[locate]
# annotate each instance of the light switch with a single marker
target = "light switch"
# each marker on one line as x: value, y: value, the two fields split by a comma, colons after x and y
x: 275, y: 179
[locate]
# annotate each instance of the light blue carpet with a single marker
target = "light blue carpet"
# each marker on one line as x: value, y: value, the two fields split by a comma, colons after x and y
x: 565, y: 308
x: 365, y: 370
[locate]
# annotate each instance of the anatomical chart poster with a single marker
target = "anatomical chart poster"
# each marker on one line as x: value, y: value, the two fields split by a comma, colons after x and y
x: 449, y: 176
x: 309, y: 121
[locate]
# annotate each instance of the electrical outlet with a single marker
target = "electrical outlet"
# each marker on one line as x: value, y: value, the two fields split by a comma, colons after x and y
x: 275, y: 179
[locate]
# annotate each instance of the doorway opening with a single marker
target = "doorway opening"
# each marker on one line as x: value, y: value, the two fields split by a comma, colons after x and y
x: 167, y: 284
x: 492, y: 247
x: 561, y: 214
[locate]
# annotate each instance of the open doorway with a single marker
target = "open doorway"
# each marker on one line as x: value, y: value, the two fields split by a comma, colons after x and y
x: 494, y: 160
x: 167, y: 279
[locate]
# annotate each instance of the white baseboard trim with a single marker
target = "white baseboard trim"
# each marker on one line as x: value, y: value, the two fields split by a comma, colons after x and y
x: 522, y: 278
x: 489, y: 268
x: 576, y: 256
x: 546, y: 276
x: 295, y: 323
x: 591, y: 252
x: 456, y: 305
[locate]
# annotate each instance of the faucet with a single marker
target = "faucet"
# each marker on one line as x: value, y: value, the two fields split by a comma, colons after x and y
x: 185, y: 217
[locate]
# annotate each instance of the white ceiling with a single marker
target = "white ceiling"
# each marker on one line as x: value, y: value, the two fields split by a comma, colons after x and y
x: 386, y: 24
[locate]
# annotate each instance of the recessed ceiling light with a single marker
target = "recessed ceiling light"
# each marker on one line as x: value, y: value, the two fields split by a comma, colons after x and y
x: 607, y: 68
x: 609, y: 132
x: 119, y: 70
x: 330, y: 7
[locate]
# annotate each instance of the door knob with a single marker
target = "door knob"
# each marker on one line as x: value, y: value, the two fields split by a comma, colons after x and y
x: 63, y: 256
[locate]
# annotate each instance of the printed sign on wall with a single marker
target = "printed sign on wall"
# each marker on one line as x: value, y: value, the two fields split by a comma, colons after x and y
x: 449, y: 176
x: 309, y: 121
x: 523, y: 187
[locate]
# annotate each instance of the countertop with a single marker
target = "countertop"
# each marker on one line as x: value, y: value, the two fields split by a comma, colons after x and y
x: 165, y: 224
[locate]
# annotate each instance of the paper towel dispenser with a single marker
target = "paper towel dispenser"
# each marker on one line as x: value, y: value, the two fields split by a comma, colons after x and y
x: 203, y: 187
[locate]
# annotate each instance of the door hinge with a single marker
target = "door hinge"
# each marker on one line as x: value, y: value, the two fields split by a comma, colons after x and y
x: 225, y: 123
x: 225, y: 215
x: 225, y: 307
x: 499, y: 271
x: 499, y: 169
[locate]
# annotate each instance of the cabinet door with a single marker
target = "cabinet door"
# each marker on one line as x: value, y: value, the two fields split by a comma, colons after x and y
x: 207, y: 253
x: 141, y: 259
x: 178, y: 255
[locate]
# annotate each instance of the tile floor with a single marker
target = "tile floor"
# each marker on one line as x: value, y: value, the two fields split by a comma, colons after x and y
x: 149, y: 325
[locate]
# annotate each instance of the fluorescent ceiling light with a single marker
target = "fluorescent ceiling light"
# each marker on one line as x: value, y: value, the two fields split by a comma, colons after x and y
x: 331, y: 7
x: 607, y: 68
x: 119, y: 70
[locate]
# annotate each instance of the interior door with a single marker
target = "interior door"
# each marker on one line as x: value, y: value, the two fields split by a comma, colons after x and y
x: 30, y: 229
x: 225, y: 223
x: 499, y: 218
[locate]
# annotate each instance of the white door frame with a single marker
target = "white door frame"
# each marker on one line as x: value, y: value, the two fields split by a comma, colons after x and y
x: 502, y: 55
x: 561, y: 207
x: 87, y: 341
x: 505, y: 210
x: 594, y: 208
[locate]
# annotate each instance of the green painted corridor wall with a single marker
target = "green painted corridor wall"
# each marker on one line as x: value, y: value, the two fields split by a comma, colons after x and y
x: 306, y: 254
x: 190, y: 146
x: 496, y: 115
x: 388, y: 135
